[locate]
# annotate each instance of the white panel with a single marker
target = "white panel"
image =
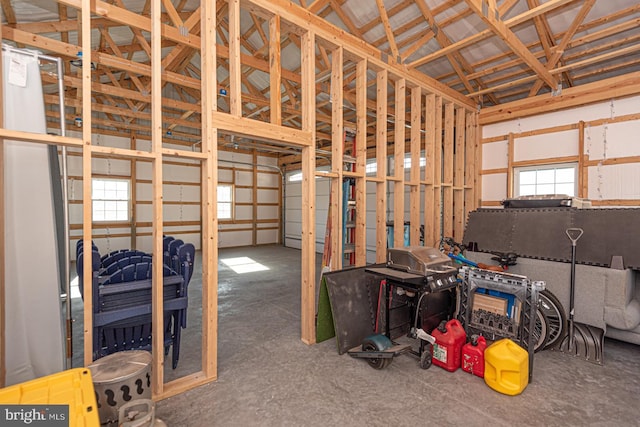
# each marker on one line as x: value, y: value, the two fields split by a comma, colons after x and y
x: 608, y: 109
x: 614, y: 182
x: 613, y: 140
x: 243, y: 212
x: 268, y: 180
x: 268, y: 212
x: 144, y: 192
x: 179, y: 212
x: 244, y: 178
x: 235, y: 239
x: 295, y: 215
x: 144, y: 213
x: 294, y: 189
x: 494, y: 186
x: 293, y: 243
x: 557, y: 144
x: 143, y: 170
x: 268, y: 196
x: 267, y: 236
x: 225, y: 176
x: 179, y: 173
x: 111, y: 141
x: 229, y: 156
x: 495, y: 155
x: 293, y: 229
x: 144, y: 144
x: 106, y: 245
x: 243, y: 195
x: 178, y: 193
x: 110, y: 166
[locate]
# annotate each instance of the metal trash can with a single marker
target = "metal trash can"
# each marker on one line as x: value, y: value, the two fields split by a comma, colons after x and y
x: 120, y: 378
x: 139, y: 413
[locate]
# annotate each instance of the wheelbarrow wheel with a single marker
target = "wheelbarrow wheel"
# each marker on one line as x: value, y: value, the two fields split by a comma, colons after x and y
x: 426, y: 356
x: 377, y: 343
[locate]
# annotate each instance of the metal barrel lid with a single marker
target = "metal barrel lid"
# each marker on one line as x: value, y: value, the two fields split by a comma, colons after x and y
x: 119, y: 366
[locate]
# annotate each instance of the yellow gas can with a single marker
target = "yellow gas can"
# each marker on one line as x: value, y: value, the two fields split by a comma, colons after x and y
x: 506, y: 367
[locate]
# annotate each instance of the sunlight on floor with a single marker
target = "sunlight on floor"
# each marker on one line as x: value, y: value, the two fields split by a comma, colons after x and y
x: 243, y: 265
x: 75, y: 289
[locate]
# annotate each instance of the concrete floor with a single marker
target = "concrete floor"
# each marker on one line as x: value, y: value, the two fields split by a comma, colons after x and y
x: 268, y: 377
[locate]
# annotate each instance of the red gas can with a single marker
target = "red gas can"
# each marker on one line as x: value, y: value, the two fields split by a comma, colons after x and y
x: 473, y: 355
x: 450, y: 337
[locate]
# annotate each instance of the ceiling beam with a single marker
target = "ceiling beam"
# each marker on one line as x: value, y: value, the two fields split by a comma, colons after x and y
x: 523, y: 17
x: 486, y: 10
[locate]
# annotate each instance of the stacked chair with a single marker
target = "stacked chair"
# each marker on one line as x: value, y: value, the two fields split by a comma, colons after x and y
x: 121, y: 287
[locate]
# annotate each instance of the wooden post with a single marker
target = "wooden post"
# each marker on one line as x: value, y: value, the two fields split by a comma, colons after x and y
x: 3, y: 369
x: 470, y: 178
x: 414, y: 195
x: 209, y: 186
x: 235, y: 72
x: 254, y: 199
x: 361, y: 162
x: 437, y: 176
x: 583, y: 176
x: 430, y: 213
x: 337, y: 157
x: 134, y: 192
x: 511, y: 152
x: 308, y: 288
x: 86, y: 179
x: 381, y: 160
x: 459, y: 175
x: 275, y: 70
x: 398, y: 161
x: 157, y: 310
x: 447, y: 182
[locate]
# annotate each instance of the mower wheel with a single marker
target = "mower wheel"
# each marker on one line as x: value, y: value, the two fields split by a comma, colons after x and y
x: 377, y: 343
x: 426, y: 356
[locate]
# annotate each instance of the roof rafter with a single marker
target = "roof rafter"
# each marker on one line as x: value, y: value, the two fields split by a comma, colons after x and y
x: 486, y: 10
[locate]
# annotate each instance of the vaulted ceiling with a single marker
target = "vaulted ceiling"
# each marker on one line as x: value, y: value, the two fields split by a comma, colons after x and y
x: 491, y: 51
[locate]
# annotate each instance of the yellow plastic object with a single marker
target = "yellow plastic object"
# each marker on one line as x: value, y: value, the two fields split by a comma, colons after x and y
x: 506, y: 367
x: 72, y: 387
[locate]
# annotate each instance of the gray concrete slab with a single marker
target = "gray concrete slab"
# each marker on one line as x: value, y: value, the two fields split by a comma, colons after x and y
x: 268, y: 377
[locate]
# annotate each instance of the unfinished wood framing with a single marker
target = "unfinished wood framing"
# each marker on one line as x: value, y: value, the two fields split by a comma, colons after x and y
x: 157, y: 288
x: 430, y: 213
x: 398, y: 162
x: 414, y: 179
x: 360, y: 164
x: 382, y: 81
x: 3, y: 371
x: 337, y: 158
x: 459, y: 218
x: 308, y: 286
x: 448, y: 172
x: 208, y: 196
x: 471, y: 160
x: 288, y: 125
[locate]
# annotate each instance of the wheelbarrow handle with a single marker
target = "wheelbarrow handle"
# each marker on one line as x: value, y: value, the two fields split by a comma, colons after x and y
x: 574, y: 234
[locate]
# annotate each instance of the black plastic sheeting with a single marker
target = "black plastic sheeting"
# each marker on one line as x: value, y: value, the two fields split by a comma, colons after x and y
x: 354, y: 301
x: 541, y: 233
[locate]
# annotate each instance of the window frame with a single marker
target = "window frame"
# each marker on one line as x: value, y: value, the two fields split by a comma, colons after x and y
x: 231, y: 202
x: 94, y: 199
x: 539, y: 168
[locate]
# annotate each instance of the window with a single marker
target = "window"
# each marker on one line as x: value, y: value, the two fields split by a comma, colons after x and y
x: 295, y: 177
x: 547, y: 179
x: 110, y: 199
x: 225, y: 201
